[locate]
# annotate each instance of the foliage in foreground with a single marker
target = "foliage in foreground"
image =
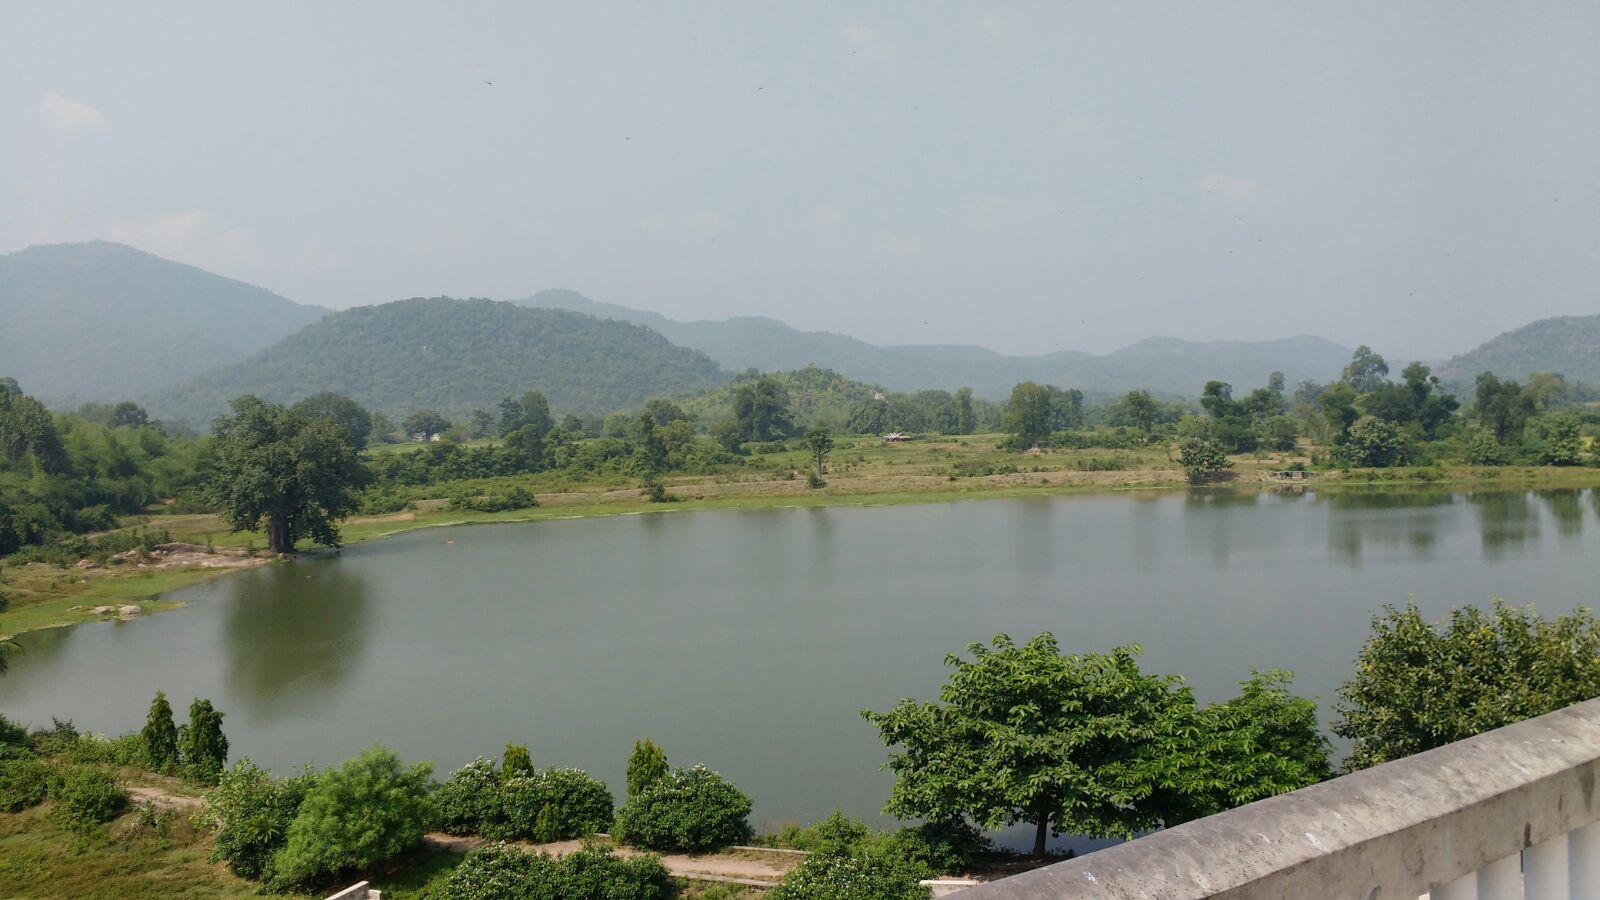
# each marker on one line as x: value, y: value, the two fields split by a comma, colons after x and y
x: 502, y: 872
x: 854, y: 875
x: 367, y: 810
x: 1417, y: 686
x: 1089, y: 744
x: 251, y: 813
x: 691, y: 810
x: 538, y: 804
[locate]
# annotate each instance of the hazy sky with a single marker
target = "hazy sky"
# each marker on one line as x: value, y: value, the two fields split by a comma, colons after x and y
x: 1419, y: 176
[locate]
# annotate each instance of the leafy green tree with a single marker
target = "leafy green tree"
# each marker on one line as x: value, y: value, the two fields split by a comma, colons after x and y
x: 516, y: 761
x: 160, y: 735
x: 128, y: 414
x: 369, y: 809
x: 28, y: 430
x: 251, y: 811
x: 1028, y: 414
x: 1337, y: 405
x: 203, y: 746
x: 728, y: 435
x: 1560, y: 441
x: 296, y: 474
x: 1086, y: 744
x: 1480, y: 448
x: 1503, y: 408
x: 350, y: 416
x: 1366, y: 372
x: 1137, y: 409
x: 1377, y: 443
x: 645, y: 766
x: 427, y: 423
x: 819, y: 443
x: 966, y: 417
x: 536, y: 412
x: 761, y: 407
x: 1202, y: 459
x: 1418, y: 685
x: 483, y: 424
x: 383, y: 429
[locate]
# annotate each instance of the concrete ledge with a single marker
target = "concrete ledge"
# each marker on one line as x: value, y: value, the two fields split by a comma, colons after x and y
x: 1393, y: 831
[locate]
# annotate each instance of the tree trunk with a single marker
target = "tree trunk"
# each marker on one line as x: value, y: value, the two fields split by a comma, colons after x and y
x: 278, y: 536
x: 1040, y: 833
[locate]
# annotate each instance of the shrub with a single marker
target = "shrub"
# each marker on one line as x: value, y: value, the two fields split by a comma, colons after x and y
x: 14, y: 735
x: 56, y: 739
x: 945, y: 847
x: 1418, y: 686
x: 204, y: 747
x: 94, y: 750
x: 367, y: 810
x: 515, y: 498
x: 160, y: 735
x: 1480, y: 448
x: 503, y: 872
x: 516, y: 761
x: 686, y: 809
x: 555, y: 805
x: 814, y: 481
x: 85, y: 795
x: 251, y: 813
x: 24, y: 783
x: 645, y: 765
x: 470, y: 802
x: 1202, y: 458
x: 853, y: 876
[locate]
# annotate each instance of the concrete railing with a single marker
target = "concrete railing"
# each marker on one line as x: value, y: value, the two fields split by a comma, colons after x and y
x: 1510, y: 813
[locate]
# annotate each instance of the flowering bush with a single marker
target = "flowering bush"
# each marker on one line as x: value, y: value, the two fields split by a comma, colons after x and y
x: 853, y: 876
x: 470, y: 802
x: 686, y: 809
x: 503, y: 872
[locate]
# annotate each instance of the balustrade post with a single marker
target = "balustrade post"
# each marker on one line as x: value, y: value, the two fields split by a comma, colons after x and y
x: 1501, y: 879
x: 1544, y: 870
x: 1583, y: 860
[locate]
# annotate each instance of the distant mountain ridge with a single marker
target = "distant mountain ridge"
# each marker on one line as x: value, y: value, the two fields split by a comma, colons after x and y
x: 1164, y: 365
x: 103, y: 321
x: 1569, y: 345
x: 454, y: 356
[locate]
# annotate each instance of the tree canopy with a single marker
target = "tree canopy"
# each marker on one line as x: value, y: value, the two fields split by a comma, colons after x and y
x: 294, y: 474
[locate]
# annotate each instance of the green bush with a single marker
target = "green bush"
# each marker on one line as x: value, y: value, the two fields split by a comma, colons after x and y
x: 24, y: 783
x: 686, y: 809
x: 853, y: 876
x: 645, y: 765
x: 83, y: 794
x: 203, y: 745
x: 556, y: 805
x: 515, y: 498
x: 945, y: 848
x: 251, y: 813
x: 94, y: 750
x: 367, y: 810
x: 470, y: 801
x: 160, y: 735
x: 14, y: 735
x: 54, y: 740
x: 503, y: 872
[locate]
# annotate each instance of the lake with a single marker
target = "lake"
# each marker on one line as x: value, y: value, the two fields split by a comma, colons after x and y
x: 750, y: 640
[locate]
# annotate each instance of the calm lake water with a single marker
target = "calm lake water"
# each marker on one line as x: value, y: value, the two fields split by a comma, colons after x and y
x: 750, y: 640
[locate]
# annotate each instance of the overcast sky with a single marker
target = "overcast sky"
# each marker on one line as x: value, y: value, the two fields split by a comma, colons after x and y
x: 1419, y: 176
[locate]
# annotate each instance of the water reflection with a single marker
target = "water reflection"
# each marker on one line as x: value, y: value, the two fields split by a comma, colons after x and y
x: 1566, y: 507
x: 1408, y: 520
x: 294, y: 634
x: 1507, y: 520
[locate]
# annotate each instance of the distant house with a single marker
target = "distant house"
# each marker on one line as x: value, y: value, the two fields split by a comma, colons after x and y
x: 895, y: 437
x: 423, y: 438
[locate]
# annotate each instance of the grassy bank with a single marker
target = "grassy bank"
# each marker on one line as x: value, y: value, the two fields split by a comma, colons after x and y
x: 861, y: 472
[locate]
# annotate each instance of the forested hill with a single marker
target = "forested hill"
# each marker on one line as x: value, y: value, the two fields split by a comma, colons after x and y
x: 101, y: 321
x: 453, y: 356
x: 1566, y: 344
x: 1163, y: 365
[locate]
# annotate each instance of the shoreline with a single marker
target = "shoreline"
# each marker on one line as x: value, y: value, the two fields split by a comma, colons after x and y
x: 67, y: 596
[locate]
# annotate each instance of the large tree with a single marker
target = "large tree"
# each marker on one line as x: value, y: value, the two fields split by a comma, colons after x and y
x: 342, y: 411
x: 1028, y: 414
x: 761, y: 407
x: 1089, y: 744
x: 291, y: 473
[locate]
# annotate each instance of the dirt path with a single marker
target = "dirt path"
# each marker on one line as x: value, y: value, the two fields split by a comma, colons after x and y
x: 753, y: 867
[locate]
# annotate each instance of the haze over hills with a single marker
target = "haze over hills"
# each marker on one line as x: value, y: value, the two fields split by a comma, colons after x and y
x: 103, y: 321
x: 454, y: 356
x: 1163, y: 365
x: 1566, y: 344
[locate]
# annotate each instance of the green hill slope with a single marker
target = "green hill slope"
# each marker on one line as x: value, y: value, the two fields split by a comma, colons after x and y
x: 101, y: 321
x: 1569, y: 345
x: 454, y: 356
x: 1164, y: 365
